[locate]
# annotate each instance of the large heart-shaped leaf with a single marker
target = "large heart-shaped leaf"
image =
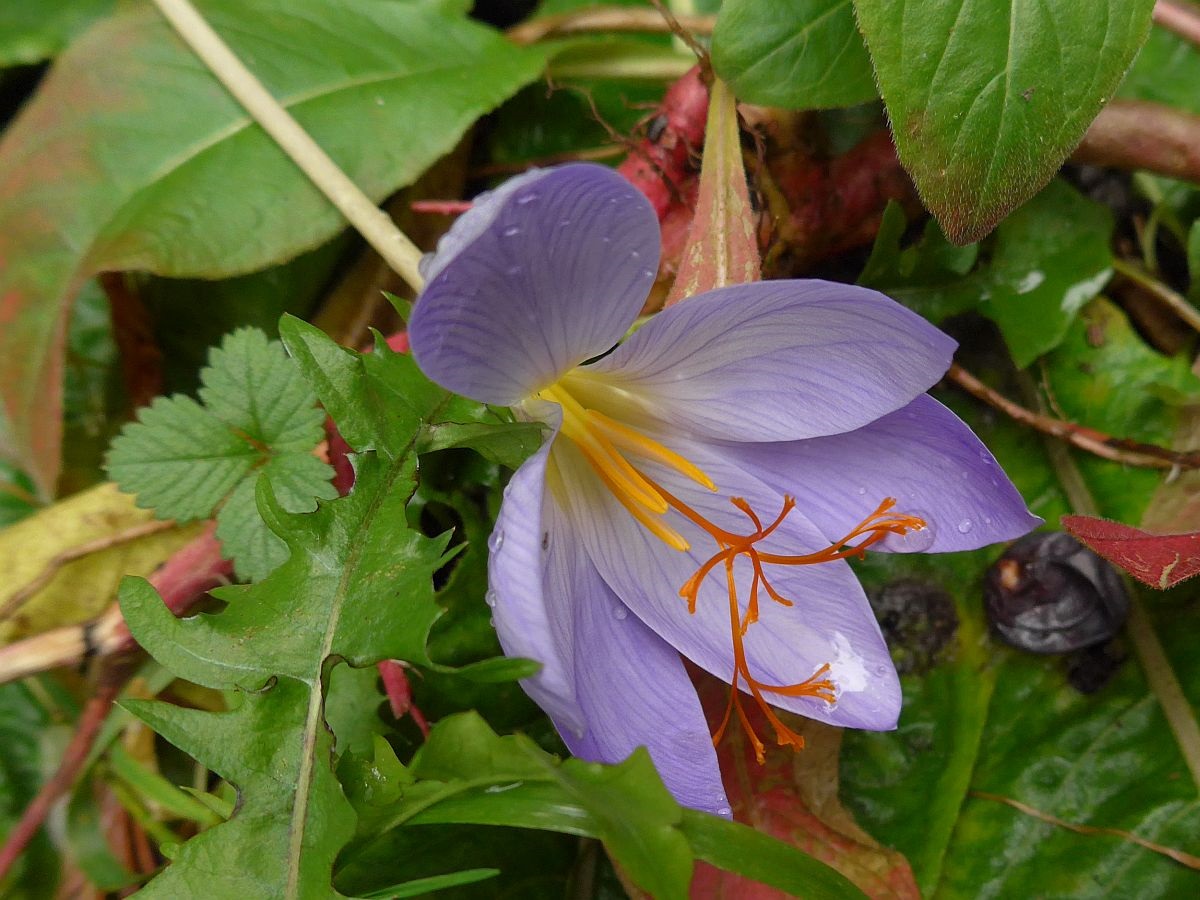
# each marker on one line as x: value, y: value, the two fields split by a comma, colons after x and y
x: 987, y: 97
x: 132, y: 156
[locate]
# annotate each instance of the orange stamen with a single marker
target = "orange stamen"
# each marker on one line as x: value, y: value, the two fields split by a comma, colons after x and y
x: 603, y: 442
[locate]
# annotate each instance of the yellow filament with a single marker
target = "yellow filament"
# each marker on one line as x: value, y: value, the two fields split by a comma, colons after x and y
x: 622, y: 478
x: 635, y: 442
x: 660, y: 530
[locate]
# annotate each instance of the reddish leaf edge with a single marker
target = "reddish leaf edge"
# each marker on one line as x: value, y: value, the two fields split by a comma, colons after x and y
x: 1160, y: 561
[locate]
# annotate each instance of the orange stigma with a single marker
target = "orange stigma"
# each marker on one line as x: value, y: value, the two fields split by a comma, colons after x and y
x: 604, y: 442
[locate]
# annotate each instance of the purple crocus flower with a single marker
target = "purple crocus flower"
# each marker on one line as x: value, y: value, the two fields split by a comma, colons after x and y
x: 701, y: 484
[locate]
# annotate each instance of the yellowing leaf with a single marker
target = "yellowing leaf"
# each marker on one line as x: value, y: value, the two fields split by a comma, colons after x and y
x: 80, y: 588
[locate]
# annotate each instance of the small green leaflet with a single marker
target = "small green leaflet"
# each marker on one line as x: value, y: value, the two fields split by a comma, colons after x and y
x: 256, y: 416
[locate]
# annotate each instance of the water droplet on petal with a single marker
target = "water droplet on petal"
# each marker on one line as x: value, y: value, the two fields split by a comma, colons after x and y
x: 620, y: 613
x: 490, y: 598
x: 915, y: 541
x: 508, y: 489
x: 516, y: 270
x: 527, y: 198
x: 965, y: 526
x: 496, y: 541
x: 881, y: 670
x: 606, y: 239
x: 862, y: 491
x: 724, y: 811
x: 633, y: 254
x: 563, y: 223
x: 511, y: 231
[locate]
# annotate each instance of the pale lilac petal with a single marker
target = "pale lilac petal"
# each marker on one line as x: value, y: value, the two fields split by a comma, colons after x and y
x: 528, y: 569
x: 922, y: 455
x: 778, y: 361
x: 633, y: 690
x: 831, y: 621
x: 546, y: 272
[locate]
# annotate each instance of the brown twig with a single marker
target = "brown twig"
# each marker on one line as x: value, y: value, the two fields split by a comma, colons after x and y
x: 1186, y: 859
x: 687, y: 37
x: 1131, y: 453
x: 605, y: 20
x: 1180, y: 17
x: 56, y: 562
x: 1138, y: 134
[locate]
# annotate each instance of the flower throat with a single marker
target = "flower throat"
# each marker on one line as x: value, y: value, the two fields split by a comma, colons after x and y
x: 606, y: 443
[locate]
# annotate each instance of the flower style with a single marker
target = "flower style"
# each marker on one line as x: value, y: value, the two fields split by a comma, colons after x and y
x: 703, y: 482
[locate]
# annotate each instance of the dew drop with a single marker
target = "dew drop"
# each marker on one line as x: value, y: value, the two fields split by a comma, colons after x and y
x: 965, y: 526
x: 508, y: 489
x: 914, y: 541
x: 563, y: 223
x: 649, y: 273
x: 862, y: 491
x: 606, y: 239
x: 881, y: 670
x: 496, y: 541
x: 987, y: 520
x: 527, y: 198
x: 620, y: 613
x: 516, y: 270
x: 724, y: 811
x: 633, y: 254
x: 490, y: 598
x: 511, y: 231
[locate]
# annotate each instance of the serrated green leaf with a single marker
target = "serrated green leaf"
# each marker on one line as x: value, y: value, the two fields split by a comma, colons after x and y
x: 291, y: 817
x: 259, y: 420
x: 987, y: 97
x: 356, y: 587
x: 140, y: 160
x: 251, y: 386
x: 179, y: 459
x: 798, y: 54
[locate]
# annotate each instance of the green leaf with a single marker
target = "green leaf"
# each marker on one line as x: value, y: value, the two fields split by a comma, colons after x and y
x: 139, y: 159
x: 27, y: 737
x: 1193, y: 255
x: 1165, y: 71
x: 258, y: 419
x: 357, y: 587
x: 33, y: 30
x: 466, y: 774
x: 1049, y: 258
x: 1043, y: 264
x: 420, y: 886
x: 798, y: 54
x: 987, y: 97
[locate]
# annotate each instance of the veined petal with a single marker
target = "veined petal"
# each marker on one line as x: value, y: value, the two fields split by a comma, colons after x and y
x: 830, y: 622
x: 633, y: 691
x: 777, y: 361
x: 547, y: 271
x: 530, y: 570
x: 923, y: 455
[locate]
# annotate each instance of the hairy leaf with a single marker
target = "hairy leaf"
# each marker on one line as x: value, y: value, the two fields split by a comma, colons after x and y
x: 987, y: 97
x: 132, y: 156
x: 258, y: 417
x: 798, y: 54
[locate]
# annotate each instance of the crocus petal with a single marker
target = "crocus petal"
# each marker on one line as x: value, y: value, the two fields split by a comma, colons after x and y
x: 542, y: 274
x: 528, y: 568
x: 778, y: 361
x: 831, y: 621
x: 632, y: 688
x: 922, y: 455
